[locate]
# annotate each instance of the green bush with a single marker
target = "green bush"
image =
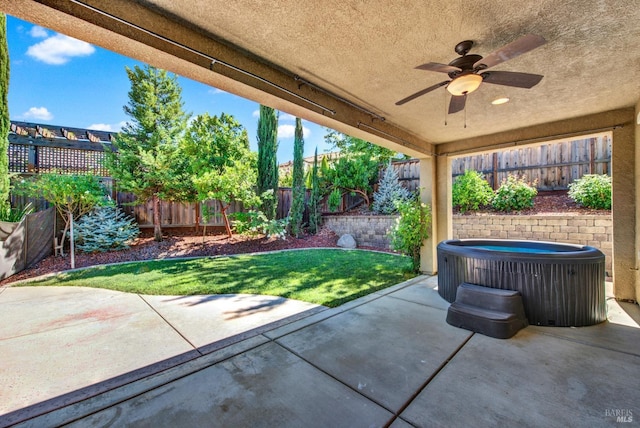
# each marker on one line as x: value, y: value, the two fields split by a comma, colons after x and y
x: 105, y: 228
x: 514, y: 194
x: 334, y: 200
x: 592, y: 191
x: 471, y: 191
x: 256, y: 223
x: 411, y: 229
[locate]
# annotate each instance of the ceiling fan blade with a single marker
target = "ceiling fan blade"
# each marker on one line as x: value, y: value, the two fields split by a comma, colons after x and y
x: 457, y: 103
x: 422, y: 92
x: 440, y: 68
x: 522, y: 45
x: 511, y: 78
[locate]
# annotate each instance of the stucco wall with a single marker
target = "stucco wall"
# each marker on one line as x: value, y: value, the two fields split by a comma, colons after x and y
x: 595, y: 231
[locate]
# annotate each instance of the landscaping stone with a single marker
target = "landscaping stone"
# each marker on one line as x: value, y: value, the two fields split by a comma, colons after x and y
x: 347, y: 241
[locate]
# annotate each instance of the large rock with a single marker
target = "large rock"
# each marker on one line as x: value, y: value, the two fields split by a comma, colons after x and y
x: 347, y: 241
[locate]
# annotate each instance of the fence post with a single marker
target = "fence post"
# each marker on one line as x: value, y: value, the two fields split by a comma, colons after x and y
x: 592, y: 148
x: 495, y: 171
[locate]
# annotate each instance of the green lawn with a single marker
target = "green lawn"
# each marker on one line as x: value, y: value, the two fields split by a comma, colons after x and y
x: 322, y: 276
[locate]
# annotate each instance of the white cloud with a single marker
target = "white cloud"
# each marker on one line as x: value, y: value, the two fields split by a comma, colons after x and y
x: 216, y: 91
x: 38, y: 32
x: 107, y: 127
x: 59, y: 49
x: 288, y: 131
x: 38, y: 113
x: 256, y: 114
x: 286, y: 117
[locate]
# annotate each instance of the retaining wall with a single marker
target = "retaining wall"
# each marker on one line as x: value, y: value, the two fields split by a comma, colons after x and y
x: 368, y: 231
x: 593, y: 230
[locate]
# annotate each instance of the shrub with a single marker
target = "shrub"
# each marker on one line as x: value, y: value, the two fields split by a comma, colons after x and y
x: 334, y: 200
x: 411, y: 229
x: 389, y: 193
x: 470, y: 191
x: 105, y: 228
x: 592, y: 191
x: 514, y: 194
x: 256, y: 223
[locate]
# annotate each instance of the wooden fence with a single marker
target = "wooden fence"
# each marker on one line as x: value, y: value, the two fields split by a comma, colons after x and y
x: 554, y: 166
x: 34, y: 149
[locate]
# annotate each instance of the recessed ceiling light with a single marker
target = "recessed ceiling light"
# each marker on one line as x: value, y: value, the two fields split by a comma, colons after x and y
x: 499, y: 101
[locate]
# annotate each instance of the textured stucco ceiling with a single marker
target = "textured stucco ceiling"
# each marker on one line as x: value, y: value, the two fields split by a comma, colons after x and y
x: 366, y: 51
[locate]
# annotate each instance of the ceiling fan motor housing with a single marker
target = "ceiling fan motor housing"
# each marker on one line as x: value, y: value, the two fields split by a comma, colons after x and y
x: 464, y: 63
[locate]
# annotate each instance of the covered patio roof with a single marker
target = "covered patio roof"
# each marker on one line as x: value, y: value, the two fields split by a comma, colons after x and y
x: 345, y: 64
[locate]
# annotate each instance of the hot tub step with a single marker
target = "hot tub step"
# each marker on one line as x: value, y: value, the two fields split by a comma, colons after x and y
x: 490, y: 311
x: 501, y: 325
x: 494, y: 299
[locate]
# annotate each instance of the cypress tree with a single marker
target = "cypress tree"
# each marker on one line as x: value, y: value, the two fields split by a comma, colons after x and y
x: 314, y: 200
x: 298, y: 188
x: 267, y: 160
x: 5, y: 203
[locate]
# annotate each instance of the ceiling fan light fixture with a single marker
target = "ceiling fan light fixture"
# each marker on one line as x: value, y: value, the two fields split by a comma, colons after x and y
x: 464, y: 84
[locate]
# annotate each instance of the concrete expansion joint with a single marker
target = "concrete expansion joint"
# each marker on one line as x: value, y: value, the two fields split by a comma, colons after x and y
x: 195, y: 348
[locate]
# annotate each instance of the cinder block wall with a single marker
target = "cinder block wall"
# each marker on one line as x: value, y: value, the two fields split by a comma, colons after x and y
x: 595, y: 231
x: 368, y: 231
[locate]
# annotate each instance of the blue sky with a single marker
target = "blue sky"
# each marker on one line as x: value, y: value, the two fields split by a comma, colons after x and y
x: 61, y: 81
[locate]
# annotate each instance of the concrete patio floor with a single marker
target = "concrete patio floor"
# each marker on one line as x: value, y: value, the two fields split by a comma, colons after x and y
x: 387, y: 359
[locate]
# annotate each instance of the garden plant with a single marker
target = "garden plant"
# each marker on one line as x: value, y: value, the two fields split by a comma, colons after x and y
x: 412, y: 227
x: 514, y: 194
x: 592, y: 191
x: 471, y: 191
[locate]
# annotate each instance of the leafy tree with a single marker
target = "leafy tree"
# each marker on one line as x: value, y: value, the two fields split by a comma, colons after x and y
x: 146, y: 159
x: 267, y: 160
x: 72, y: 195
x: 5, y: 203
x: 411, y: 229
x: 354, y: 147
x: 298, y: 190
x: 356, y: 170
x: 390, y: 191
x: 314, y: 200
x: 355, y: 175
x: 222, y: 166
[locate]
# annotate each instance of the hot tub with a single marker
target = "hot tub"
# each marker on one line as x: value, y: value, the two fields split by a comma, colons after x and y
x: 561, y: 284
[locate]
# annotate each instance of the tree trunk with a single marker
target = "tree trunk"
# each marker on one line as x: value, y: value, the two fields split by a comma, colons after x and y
x: 157, y: 229
x: 227, y: 225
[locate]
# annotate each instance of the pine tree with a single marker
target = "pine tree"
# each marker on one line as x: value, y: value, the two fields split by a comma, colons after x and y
x: 147, y: 161
x: 5, y: 204
x: 389, y: 193
x: 314, y: 200
x: 298, y: 189
x: 106, y: 228
x: 267, y: 160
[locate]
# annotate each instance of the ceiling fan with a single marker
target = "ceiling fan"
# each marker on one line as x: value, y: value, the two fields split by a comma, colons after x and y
x: 467, y: 72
